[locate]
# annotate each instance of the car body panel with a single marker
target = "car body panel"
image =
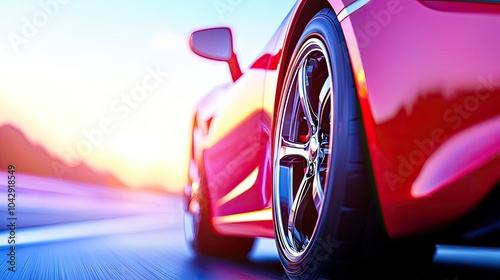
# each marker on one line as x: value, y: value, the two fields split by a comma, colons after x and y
x: 417, y: 95
x: 428, y: 80
x: 234, y: 156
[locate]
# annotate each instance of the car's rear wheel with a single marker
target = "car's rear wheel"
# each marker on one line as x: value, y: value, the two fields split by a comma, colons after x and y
x: 199, y: 232
x: 321, y: 186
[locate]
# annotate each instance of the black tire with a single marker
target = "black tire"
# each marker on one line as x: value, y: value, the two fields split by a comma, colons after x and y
x: 330, y: 244
x: 200, y: 233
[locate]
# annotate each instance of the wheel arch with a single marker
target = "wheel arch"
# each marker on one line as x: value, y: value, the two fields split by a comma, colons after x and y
x: 302, y: 14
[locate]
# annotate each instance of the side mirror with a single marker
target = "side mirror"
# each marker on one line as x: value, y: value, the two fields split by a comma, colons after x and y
x: 216, y: 44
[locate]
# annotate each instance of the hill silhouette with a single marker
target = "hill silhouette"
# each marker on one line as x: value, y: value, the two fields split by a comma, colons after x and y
x: 32, y: 158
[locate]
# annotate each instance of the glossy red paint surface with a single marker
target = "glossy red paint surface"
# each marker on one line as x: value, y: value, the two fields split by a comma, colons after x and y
x: 339, y: 5
x: 428, y: 80
x: 232, y: 160
x: 430, y: 77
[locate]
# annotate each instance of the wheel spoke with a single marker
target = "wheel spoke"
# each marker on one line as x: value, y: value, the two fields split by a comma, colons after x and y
x: 297, y: 212
x: 290, y: 149
x: 286, y: 192
x: 303, y: 87
x: 325, y: 90
x: 321, y: 170
x: 318, y: 194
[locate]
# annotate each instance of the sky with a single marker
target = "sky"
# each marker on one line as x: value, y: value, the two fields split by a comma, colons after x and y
x: 113, y: 83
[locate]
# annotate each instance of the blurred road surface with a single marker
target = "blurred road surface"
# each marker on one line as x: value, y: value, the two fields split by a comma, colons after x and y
x: 67, y: 230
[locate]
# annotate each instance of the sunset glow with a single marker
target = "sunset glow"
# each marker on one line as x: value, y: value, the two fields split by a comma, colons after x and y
x: 113, y: 84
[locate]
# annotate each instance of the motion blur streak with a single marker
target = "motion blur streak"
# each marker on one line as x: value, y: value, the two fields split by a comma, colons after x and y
x: 87, y: 229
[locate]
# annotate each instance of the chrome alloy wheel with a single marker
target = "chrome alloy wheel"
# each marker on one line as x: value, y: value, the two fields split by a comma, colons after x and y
x: 302, y: 148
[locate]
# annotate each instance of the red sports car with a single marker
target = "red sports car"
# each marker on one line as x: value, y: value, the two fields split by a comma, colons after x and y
x: 362, y: 123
